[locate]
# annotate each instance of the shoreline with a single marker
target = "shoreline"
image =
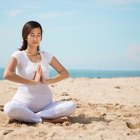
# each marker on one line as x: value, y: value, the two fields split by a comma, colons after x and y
x: 89, y: 73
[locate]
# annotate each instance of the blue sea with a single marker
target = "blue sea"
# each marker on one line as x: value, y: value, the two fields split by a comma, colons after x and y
x: 93, y: 73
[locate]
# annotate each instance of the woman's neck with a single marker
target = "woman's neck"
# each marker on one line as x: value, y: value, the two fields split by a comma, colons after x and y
x: 32, y: 52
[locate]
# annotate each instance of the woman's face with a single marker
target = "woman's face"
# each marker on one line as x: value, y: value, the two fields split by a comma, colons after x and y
x: 34, y: 37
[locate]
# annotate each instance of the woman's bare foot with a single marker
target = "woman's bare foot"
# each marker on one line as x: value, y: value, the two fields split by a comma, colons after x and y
x: 57, y: 120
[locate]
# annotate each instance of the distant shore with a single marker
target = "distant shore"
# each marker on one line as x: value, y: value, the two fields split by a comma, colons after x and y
x: 89, y: 73
x: 107, y: 108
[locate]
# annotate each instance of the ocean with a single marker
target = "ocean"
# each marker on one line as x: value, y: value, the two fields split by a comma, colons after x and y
x: 93, y: 73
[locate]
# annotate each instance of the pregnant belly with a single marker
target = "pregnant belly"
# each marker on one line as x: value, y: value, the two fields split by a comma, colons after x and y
x: 34, y: 97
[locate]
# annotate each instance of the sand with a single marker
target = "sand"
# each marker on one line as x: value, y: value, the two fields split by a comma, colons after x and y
x: 107, y: 109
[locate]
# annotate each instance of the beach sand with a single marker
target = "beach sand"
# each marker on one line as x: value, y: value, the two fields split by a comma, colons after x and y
x: 107, y: 109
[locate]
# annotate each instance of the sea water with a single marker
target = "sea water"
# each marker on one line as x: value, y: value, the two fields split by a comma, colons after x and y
x: 77, y: 73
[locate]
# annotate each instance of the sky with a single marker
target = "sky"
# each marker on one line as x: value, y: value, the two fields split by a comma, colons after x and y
x: 81, y: 34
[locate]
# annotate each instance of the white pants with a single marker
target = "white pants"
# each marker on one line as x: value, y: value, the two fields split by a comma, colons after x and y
x: 19, y: 112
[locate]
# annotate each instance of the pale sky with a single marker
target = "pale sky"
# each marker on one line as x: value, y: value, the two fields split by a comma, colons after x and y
x: 82, y: 34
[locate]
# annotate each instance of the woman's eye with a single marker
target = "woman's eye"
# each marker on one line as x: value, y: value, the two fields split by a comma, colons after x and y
x: 35, y: 36
x: 32, y: 35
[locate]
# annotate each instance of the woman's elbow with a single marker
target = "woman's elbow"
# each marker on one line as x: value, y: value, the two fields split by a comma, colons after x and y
x: 66, y: 75
x: 6, y: 75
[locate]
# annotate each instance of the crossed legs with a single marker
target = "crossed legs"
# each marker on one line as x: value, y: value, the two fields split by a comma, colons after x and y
x: 57, y: 111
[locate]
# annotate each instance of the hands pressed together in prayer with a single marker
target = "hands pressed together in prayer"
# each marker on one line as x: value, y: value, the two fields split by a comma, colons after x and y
x: 39, y: 76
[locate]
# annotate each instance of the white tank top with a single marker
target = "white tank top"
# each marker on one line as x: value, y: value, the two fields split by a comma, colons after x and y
x: 37, y: 96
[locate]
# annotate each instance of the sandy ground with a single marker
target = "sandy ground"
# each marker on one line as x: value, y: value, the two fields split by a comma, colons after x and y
x: 107, y: 109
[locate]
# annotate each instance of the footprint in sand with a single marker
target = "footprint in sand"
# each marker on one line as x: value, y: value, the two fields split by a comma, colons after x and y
x: 64, y: 94
x: 133, y: 125
x: 118, y: 87
x: 7, y: 132
x: 1, y: 107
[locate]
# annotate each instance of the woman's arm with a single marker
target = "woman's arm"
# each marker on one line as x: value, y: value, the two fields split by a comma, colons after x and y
x: 9, y: 74
x: 62, y: 72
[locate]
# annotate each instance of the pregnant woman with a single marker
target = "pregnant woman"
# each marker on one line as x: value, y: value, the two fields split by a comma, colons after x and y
x: 29, y: 67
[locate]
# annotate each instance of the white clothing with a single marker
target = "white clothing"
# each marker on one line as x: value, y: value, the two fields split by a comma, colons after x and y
x: 37, y: 96
x: 31, y: 99
x: 19, y: 112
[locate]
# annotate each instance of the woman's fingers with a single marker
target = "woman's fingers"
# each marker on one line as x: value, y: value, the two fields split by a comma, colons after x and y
x: 38, y: 74
x: 39, y: 69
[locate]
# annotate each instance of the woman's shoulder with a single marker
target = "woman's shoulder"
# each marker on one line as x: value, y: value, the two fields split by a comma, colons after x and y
x: 46, y: 53
x: 48, y: 56
x: 18, y: 54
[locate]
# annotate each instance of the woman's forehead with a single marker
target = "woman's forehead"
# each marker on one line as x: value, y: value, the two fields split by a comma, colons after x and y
x: 36, y: 30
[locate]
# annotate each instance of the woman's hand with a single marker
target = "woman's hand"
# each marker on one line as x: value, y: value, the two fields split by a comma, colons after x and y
x: 38, y: 74
x: 43, y: 80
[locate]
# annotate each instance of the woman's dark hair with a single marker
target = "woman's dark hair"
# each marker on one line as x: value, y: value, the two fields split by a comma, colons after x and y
x: 27, y: 28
